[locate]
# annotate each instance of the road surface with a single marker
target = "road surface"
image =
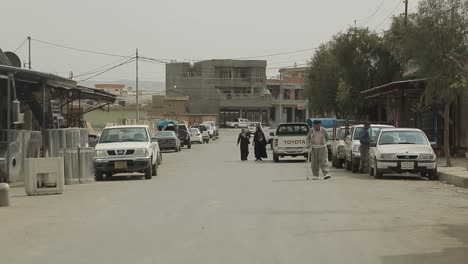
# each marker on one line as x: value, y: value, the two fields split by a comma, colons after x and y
x: 206, y: 206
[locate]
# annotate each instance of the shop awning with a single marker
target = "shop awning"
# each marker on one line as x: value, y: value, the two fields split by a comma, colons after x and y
x: 415, y: 85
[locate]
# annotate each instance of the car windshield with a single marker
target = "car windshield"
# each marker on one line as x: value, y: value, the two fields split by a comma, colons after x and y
x: 161, y: 134
x: 293, y: 129
x: 341, y: 133
x: 202, y: 128
x: 403, y: 137
x: 373, y: 132
x: 124, y: 134
x: 208, y: 126
x: 194, y: 130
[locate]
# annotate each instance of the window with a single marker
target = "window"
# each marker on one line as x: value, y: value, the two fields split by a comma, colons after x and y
x: 403, y: 137
x: 293, y: 129
x: 373, y: 132
x: 124, y: 134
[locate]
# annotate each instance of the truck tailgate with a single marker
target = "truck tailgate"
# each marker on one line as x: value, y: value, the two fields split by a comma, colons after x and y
x: 292, y: 142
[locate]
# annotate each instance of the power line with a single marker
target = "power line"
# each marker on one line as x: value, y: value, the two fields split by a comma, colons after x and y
x: 98, y: 69
x: 365, y: 20
x: 390, y: 15
x: 102, y: 72
x: 20, y: 46
x: 275, y: 54
x: 82, y: 50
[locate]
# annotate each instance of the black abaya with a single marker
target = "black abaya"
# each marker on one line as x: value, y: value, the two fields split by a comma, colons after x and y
x: 244, y: 142
x: 260, y: 145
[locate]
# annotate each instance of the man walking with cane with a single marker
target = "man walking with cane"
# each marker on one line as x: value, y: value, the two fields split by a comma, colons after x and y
x: 317, y: 143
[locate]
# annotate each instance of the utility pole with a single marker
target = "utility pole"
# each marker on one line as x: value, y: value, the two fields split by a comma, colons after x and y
x: 406, y: 12
x: 137, y: 91
x: 29, y: 60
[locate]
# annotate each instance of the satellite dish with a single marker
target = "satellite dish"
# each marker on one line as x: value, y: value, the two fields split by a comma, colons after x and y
x: 14, y: 59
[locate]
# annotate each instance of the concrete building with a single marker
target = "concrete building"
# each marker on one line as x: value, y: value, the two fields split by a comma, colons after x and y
x: 116, y: 89
x: 228, y: 88
x: 289, y: 103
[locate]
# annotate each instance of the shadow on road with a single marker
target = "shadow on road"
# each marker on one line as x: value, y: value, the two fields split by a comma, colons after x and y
x: 387, y: 177
x: 123, y: 177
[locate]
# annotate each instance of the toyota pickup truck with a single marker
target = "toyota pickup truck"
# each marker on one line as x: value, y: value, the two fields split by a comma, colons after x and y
x: 241, y: 122
x: 126, y: 149
x: 290, y: 140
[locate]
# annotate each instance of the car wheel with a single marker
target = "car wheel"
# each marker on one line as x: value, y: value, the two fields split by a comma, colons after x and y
x: 276, y: 158
x: 99, y: 176
x: 236, y: 126
x: 371, y: 169
x: 155, y: 169
x: 149, y: 172
x: 108, y: 176
x: 433, y: 175
x: 377, y: 173
x: 160, y: 158
x: 189, y: 145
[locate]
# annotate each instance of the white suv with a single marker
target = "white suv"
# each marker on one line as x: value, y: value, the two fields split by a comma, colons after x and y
x: 126, y: 149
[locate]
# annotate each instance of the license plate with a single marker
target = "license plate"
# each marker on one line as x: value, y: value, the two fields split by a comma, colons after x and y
x: 120, y: 164
x: 407, y: 165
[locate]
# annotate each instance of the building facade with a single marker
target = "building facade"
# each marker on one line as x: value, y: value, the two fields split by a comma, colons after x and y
x: 289, y: 103
x: 227, y: 88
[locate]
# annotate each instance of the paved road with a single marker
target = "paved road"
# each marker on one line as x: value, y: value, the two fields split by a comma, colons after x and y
x: 206, y: 206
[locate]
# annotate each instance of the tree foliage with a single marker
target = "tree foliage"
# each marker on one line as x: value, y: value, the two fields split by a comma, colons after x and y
x: 351, y: 62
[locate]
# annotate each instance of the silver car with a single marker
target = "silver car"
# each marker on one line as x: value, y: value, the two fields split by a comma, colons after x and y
x: 168, y: 140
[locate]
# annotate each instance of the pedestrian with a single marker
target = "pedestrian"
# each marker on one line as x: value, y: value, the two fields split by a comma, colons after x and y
x: 259, y: 143
x: 244, y: 141
x: 317, y: 143
x: 365, y: 140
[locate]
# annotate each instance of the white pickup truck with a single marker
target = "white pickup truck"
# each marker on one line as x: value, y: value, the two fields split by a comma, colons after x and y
x: 126, y: 149
x: 290, y: 140
x: 241, y: 122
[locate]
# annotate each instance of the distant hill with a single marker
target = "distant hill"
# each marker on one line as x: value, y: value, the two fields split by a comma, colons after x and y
x: 143, y: 85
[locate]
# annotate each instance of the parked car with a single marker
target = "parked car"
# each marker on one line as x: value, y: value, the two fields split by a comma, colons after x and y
x: 353, y: 156
x: 338, y: 148
x: 184, y: 136
x: 210, y: 130
x: 402, y: 150
x: 196, y: 135
x: 204, y: 131
x: 241, y: 122
x: 168, y: 140
x: 290, y: 140
x: 215, y: 128
x: 252, y: 126
x: 126, y: 149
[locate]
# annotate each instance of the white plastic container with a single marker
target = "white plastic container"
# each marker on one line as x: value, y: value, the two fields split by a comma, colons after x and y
x: 44, y: 176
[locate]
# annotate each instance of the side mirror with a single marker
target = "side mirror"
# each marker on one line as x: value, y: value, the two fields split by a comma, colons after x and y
x: 272, y: 134
x: 434, y: 144
x: 154, y: 139
x: 373, y: 144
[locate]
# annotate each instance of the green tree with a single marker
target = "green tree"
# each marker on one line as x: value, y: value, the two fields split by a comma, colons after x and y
x: 322, y: 83
x: 438, y: 43
x: 351, y: 62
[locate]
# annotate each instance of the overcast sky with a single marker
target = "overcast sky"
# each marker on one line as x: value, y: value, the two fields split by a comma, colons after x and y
x: 179, y: 29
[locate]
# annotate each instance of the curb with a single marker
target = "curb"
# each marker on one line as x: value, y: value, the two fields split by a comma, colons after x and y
x: 459, y: 178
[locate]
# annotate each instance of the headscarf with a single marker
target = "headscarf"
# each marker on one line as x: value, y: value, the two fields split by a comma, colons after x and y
x: 243, y: 133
